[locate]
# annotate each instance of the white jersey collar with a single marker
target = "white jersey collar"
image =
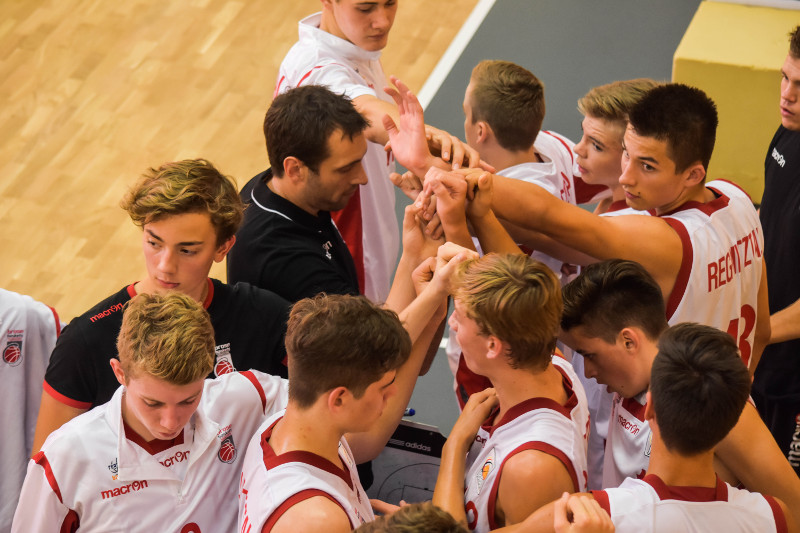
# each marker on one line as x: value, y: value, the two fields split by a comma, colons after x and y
x: 309, y: 31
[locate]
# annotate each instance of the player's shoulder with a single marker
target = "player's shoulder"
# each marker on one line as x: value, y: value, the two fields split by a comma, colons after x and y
x: 248, y: 296
x: 246, y: 387
x: 69, y: 441
x: 108, y: 309
x: 318, y: 513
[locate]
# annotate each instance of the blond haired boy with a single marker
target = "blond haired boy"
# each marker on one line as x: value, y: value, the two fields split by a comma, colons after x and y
x: 165, y: 453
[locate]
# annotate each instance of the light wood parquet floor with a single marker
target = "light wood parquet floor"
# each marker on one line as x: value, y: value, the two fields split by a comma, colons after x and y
x: 93, y: 92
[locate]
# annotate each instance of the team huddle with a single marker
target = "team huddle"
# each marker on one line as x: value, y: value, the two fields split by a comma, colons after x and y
x: 602, y: 360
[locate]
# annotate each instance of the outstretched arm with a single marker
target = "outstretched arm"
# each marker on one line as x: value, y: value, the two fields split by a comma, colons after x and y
x: 785, y: 324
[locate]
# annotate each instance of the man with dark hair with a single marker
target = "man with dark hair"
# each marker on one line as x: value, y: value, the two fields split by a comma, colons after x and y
x: 703, y: 248
x: 697, y: 370
x: 776, y: 388
x: 351, y: 378
x: 613, y: 316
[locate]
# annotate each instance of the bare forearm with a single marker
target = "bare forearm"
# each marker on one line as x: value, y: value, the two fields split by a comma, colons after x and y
x: 785, y: 324
x: 493, y: 236
x: 449, y: 491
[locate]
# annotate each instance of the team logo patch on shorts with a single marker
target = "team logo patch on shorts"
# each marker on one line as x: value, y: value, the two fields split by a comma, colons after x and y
x: 227, y: 450
x: 12, y: 353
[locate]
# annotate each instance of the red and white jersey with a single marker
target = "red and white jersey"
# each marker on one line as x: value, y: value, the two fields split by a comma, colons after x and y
x: 28, y: 332
x: 599, y: 402
x: 538, y: 424
x: 93, y: 474
x: 720, y: 274
x: 651, y: 505
x: 367, y: 224
x: 271, y: 484
x: 628, y: 442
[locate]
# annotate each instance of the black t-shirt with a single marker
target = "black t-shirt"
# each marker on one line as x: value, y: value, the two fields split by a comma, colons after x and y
x: 284, y: 249
x: 778, y: 372
x: 249, y: 329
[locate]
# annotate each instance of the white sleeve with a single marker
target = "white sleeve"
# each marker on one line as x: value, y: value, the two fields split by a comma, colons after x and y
x: 274, y: 391
x: 338, y: 77
x: 40, y: 506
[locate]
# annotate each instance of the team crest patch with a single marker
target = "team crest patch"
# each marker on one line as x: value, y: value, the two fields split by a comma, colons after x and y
x: 486, y: 469
x: 12, y: 353
x: 227, y: 450
x: 224, y: 364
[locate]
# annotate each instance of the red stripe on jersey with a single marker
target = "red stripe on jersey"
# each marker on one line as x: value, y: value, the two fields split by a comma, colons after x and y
x: 718, y: 493
x: 682, y: 280
x: 249, y: 375
x: 708, y: 208
x: 777, y: 512
x: 57, y: 321
x: 42, y: 461
x: 63, y: 399
x: 154, y: 446
x: 71, y: 522
x: 735, y: 185
x: 351, y: 227
x: 306, y: 75
x: 584, y: 192
x: 278, y: 87
x: 210, y: 295
x: 132, y: 289
x: 634, y: 408
x: 294, y: 499
x: 559, y: 139
x: 537, y: 446
x: 602, y: 499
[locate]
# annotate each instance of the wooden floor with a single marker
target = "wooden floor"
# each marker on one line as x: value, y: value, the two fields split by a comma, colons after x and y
x: 92, y: 92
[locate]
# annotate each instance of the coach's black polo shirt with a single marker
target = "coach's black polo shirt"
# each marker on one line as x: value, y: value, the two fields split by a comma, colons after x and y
x: 285, y: 249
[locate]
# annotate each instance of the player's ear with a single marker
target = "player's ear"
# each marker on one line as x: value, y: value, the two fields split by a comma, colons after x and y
x: 223, y: 249
x: 649, y: 411
x: 629, y: 339
x: 483, y: 131
x: 494, y: 347
x: 116, y: 366
x: 337, y: 398
x: 294, y: 169
x: 695, y: 174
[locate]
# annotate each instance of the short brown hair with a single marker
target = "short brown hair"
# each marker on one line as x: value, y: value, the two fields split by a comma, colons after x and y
x: 341, y: 341
x: 612, y: 101
x: 511, y: 100
x: 609, y: 296
x: 188, y: 186
x: 684, y: 117
x: 794, y: 43
x: 168, y: 336
x: 698, y: 385
x: 414, y: 518
x: 516, y: 299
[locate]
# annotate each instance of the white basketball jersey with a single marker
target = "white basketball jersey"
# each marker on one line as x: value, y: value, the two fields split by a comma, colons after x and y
x: 720, y: 274
x: 28, y: 332
x: 271, y: 484
x: 650, y: 505
x: 537, y: 424
x: 628, y: 442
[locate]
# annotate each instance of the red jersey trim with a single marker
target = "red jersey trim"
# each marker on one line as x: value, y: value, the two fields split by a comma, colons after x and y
x: 542, y: 403
x: 585, y: 192
x: 154, y: 446
x: 708, y: 208
x: 350, y: 225
x: 41, y: 460
x: 601, y: 497
x: 468, y: 382
x: 272, y: 460
x: 210, y: 295
x: 569, y: 150
x: 780, y: 519
x: 249, y: 375
x: 293, y: 500
x: 718, y: 493
x: 132, y: 289
x: 63, y: 399
x: 57, y: 321
x: 537, y: 446
x: 617, y: 205
x: 634, y: 408
x: 682, y: 280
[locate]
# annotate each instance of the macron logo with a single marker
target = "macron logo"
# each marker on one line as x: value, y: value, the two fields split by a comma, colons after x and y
x: 778, y: 157
x: 125, y: 489
x: 101, y: 314
x: 629, y: 426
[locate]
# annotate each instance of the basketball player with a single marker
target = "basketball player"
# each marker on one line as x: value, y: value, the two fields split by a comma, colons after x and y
x: 705, y: 246
x: 507, y: 310
x: 614, y: 316
x: 189, y: 213
x: 165, y: 453
x: 352, y: 371
x: 29, y: 332
x: 698, y: 370
x: 341, y: 48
